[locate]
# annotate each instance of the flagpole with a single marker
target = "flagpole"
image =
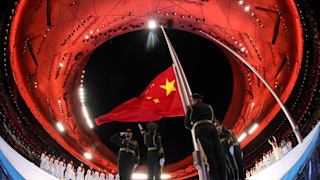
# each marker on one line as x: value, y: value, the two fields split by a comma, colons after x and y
x: 180, y: 73
x: 186, y: 93
x: 182, y: 96
x: 283, y: 107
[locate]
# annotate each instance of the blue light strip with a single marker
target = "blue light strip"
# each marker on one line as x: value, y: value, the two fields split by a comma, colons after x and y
x: 293, y: 172
x: 10, y: 170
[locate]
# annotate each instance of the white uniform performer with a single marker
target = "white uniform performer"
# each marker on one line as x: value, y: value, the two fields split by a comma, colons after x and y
x: 276, y: 151
x: 80, y: 172
x: 56, y: 167
x: 43, y: 157
x: 89, y: 175
x: 247, y: 174
x: 47, y: 163
x: 96, y: 175
x: 284, y: 149
x: 289, y: 145
x: 73, y: 174
x: 69, y: 171
x: 111, y: 176
x: 62, y: 167
x: 104, y: 175
x: 52, y: 165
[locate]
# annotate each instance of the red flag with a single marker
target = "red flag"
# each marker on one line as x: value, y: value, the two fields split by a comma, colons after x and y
x: 160, y: 99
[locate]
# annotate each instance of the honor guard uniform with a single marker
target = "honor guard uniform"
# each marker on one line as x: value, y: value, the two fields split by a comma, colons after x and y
x: 155, y: 158
x: 200, y: 116
x: 128, y: 154
x: 237, y: 154
x: 226, y: 142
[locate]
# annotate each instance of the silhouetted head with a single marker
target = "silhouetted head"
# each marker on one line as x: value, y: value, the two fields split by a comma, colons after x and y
x: 196, y: 97
x: 152, y: 126
x: 128, y: 133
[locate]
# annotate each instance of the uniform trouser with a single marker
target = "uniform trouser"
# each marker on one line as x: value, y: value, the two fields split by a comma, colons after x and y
x: 210, y: 142
x: 154, y: 167
x: 238, y: 157
x: 126, y: 162
x: 232, y: 170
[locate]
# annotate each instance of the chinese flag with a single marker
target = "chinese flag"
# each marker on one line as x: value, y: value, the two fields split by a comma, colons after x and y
x: 160, y: 99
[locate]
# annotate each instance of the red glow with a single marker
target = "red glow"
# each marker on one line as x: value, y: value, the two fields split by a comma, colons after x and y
x: 70, y: 35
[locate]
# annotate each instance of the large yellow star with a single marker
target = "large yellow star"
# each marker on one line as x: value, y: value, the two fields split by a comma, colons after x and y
x: 169, y: 87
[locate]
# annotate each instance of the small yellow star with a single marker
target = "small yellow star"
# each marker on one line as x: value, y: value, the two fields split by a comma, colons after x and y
x: 152, y: 85
x: 156, y: 100
x: 169, y: 87
x: 148, y: 97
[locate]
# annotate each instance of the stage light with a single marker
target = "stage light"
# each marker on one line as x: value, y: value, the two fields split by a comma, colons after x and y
x: 243, y: 49
x: 165, y: 176
x: 242, y: 137
x: 61, y: 64
x: 139, y: 176
x: 253, y: 128
x: 241, y: 2
x: 87, y: 155
x: 84, y: 108
x: 252, y: 104
x: 247, y: 8
x: 60, y: 127
x: 152, y: 24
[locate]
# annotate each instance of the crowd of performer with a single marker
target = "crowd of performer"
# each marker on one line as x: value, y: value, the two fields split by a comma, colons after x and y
x: 277, y: 152
x: 67, y: 171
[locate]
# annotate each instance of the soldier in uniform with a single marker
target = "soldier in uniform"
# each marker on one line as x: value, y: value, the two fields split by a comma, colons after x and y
x: 237, y: 154
x: 155, y: 157
x: 128, y: 154
x: 201, y: 116
x: 226, y: 142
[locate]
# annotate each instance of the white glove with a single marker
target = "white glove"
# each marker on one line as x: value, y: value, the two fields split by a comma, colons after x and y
x: 122, y: 133
x: 231, y: 150
x: 140, y: 127
x: 161, y: 162
x: 134, y: 166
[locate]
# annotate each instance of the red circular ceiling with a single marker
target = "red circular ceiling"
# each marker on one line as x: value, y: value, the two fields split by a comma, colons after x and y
x: 51, y: 43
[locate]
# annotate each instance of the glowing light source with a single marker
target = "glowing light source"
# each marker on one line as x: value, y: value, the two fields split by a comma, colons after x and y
x: 240, y: 2
x: 139, y: 176
x: 165, y: 176
x: 242, y: 137
x: 152, y: 24
x: 61, y: 64
x: 87, y: 155
x: 145, y: 176
x: 60, y: 127
x: 84, y: 108
x: 86, y: 36
x: 243, y: 49
x: 247, y: 8
x: 253, y: 128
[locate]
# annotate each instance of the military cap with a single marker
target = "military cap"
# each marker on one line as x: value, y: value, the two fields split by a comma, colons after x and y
x: 197, y: 96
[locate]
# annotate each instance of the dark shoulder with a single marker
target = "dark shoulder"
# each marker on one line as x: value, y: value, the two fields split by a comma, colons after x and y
x: 200, y: 105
